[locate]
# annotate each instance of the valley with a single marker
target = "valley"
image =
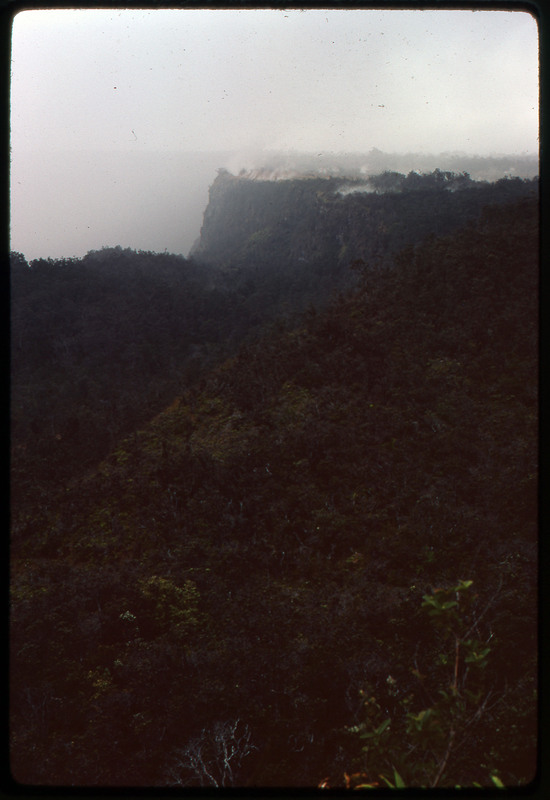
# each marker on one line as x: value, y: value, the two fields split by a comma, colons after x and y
x: 239, y: 480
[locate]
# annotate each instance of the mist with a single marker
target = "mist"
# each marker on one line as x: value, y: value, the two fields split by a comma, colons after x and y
x: 121, y: 118
x: 143, y: 200
x: 156, y: 201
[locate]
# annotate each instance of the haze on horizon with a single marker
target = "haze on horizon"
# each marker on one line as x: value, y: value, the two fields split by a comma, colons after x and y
x: 120, y: 117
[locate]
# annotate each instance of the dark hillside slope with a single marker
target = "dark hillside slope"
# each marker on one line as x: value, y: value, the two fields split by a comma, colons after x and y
x: 237, y: 570
x: 101, y: 343
x: 98, y: 345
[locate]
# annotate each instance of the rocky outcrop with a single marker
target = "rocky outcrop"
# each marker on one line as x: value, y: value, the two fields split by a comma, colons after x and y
x: 244, y: 214
x: 331, y: 222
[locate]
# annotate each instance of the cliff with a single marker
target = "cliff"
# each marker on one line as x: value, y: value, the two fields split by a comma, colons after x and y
x: 246, y: 215
x: 331, y: 222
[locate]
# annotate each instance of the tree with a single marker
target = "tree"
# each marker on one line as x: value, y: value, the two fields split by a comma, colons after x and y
x: 214, y: 757
x: 444, y: 730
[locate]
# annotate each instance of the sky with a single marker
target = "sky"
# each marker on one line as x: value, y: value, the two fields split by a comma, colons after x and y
x: 120, y: 117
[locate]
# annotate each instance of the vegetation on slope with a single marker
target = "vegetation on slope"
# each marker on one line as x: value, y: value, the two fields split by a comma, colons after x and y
x: 102, y: 343
x: 237, y: 571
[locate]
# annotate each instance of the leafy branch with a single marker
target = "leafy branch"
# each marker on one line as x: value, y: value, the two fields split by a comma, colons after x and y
x: 420, y: 747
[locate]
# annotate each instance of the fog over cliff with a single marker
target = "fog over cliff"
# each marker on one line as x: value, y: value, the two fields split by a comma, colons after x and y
x: 156, y: 201
x: 120, y: 117
x: 273, y: 165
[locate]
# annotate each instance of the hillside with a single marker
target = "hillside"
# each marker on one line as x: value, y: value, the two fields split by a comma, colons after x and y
x: 101, y: 343
x: 238, y: 569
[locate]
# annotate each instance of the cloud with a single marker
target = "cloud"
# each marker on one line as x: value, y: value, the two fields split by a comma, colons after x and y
x: 111, y: 84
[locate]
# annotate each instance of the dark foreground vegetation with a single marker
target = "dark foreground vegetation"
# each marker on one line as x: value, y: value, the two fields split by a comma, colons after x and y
x: 293, y: 556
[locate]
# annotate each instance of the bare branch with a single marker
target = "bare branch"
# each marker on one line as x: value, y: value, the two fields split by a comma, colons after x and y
x: 445, y: 759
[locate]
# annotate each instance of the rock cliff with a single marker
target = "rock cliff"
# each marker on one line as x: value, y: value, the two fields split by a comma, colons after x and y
x: 331, y: 222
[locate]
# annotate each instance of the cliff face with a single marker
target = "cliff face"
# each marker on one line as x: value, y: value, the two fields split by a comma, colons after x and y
x: 329, y: 222
x: 244, y: 215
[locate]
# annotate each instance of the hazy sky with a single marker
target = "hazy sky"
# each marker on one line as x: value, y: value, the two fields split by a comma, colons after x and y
x: 96, y: 93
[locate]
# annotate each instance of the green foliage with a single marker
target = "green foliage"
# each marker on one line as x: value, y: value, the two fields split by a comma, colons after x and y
x: 436, y: 745
x: 259, y: 547
x: 173, y: 607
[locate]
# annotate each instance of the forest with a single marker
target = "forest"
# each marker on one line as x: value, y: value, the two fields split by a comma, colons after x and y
x: 274, y: 506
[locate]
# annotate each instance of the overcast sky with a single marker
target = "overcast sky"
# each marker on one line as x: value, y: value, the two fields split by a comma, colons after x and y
x: 94, y: 90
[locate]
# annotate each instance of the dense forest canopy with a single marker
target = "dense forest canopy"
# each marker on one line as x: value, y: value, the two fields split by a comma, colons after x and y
x: 269, y: 497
